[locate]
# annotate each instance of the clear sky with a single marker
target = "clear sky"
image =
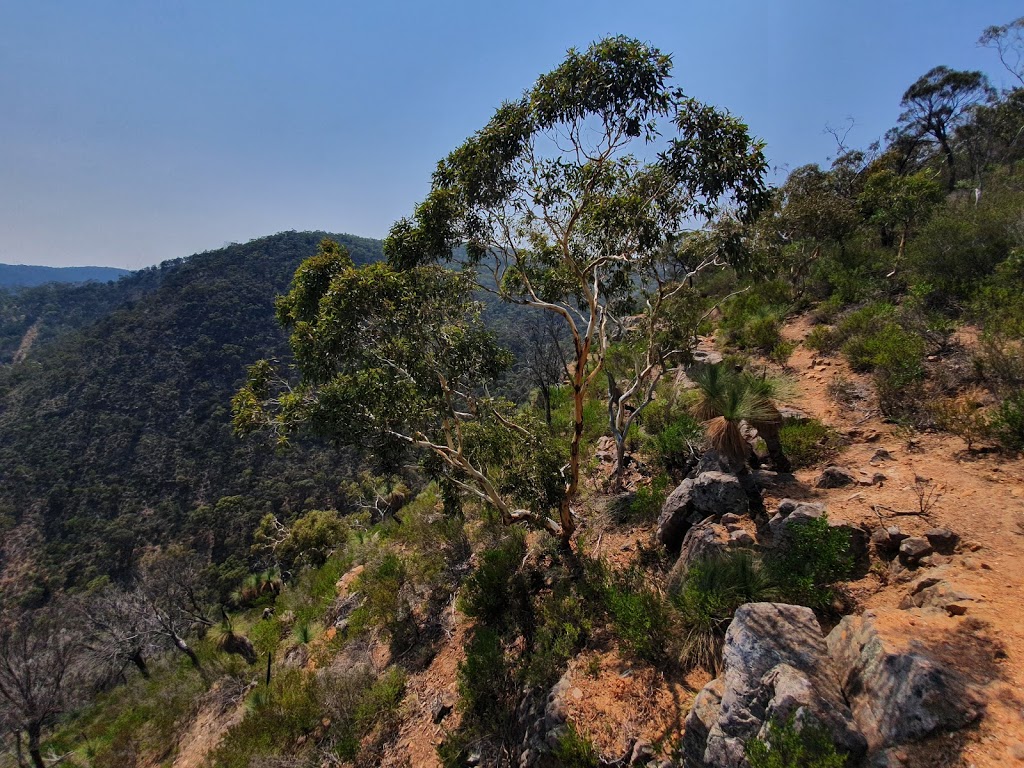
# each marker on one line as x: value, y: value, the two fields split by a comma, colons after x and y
x: 132, y: 131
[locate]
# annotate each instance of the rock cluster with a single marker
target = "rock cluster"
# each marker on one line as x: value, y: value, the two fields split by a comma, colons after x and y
x: 869, y: 688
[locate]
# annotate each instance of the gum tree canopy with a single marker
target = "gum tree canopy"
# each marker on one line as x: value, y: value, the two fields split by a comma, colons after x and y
x: 573, y: 199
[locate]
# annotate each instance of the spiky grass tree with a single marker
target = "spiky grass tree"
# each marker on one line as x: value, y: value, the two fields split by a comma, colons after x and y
x: 728, y: 400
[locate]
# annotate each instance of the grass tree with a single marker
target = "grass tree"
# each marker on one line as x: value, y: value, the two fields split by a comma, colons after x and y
x: 728, y: 400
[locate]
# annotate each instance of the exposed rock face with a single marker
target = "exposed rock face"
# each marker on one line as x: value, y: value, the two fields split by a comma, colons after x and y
x: 704, y: 540
x: 775, y: 665
x: 887, y: 541
x: 708, y: 494
x: 897, y: 694
x: 703, y: 715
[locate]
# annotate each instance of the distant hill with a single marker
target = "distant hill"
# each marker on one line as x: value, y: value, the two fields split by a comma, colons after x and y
x: 26, y: 276
x: 115, y: 421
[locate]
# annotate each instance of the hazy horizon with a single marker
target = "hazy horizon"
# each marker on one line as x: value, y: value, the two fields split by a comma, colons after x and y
x: 138, y: 134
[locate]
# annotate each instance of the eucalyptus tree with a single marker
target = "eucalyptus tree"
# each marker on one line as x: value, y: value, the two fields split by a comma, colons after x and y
x: 572, y: 195
x: 937, y: 104
x: 389, y: 359
x: 898, y: 203
x: 1008, y: 42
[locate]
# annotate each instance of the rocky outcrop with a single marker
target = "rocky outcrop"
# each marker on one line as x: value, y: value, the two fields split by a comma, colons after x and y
x: 898, y: 692
x: 710, y: 494
x: 775, y: 665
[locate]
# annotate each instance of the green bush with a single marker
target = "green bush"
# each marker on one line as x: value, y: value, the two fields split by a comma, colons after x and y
x: 640, y: 615
x: 707, y: 598
x: 563, y: 627
x: 273, y: 722
x: 807, y: 443
x: 487, y: 684
x: 1008, y: 423
x: 496, y: 593
x: 812, y: 557
x: 574, y: 750
x: 786, y: 747
x: 891, y: 351
x: 645, y: 506
x: 380, y: 583
x: 822, y: 338
x: 753, y: 319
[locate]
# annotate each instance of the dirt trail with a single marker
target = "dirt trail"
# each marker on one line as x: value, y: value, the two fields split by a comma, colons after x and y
x: 979, y: 496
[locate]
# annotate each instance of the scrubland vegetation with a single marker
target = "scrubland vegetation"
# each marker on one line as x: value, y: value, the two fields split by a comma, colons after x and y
x: 297, y: 600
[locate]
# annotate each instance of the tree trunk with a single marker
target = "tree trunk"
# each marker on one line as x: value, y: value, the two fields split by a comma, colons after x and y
x: 769, y: 432
x: 950, y: 159
x: 182, y: 646
x: 619, y: 468
x: 34, y: 730
x: 140, y: 664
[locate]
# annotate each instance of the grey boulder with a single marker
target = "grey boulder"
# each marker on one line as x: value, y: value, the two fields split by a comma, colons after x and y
x: 708, y: 494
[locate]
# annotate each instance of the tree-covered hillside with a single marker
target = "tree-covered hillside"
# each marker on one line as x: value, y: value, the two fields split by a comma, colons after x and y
x: 116, y: 431
x: 24, y: 275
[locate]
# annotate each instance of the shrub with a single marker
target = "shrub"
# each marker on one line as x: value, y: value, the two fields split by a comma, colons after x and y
x: 812, y: 557
x: 496, y: 593
x: 487, y: 685
x: 563, y: 627
x: 574, y: 750
x: 807, y: 443
x: 964, y: 417
x: 890, y: 350
x: 380, y: 583
x: 786, y: 747
x: 822, y: 338
x: 645, y: 506
x: 275, y: 719
x: 707, y: 598
x: 640, y: 615
x: 1008, y: 423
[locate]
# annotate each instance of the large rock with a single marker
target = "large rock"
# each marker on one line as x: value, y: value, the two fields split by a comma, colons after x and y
x: 898, y: 692
x: 703, y: 715
x: 706, y: 539
x: 775, y: 665
x: 708, y: 494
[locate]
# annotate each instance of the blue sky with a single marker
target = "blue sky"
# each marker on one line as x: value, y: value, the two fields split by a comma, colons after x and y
x: 132, y: 132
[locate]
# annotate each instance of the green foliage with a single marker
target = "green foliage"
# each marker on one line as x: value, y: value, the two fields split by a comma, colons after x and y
x: 708, y: 596
x: 574, y: 750
x: 786, y: 747
x: 753, y: 319
x: 640, y: 615
x: 672, y: 434
x: 487, y: 685
x: 1008, y: 423
x: 563, y: 628
x: 645, y: 506
x: 822, y: 338
x: 133, y: 407
x: 808, y: 443
x: 812, y: 557
x: 496, y: 593
x: 381, y: 584
x: 963, y: 244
